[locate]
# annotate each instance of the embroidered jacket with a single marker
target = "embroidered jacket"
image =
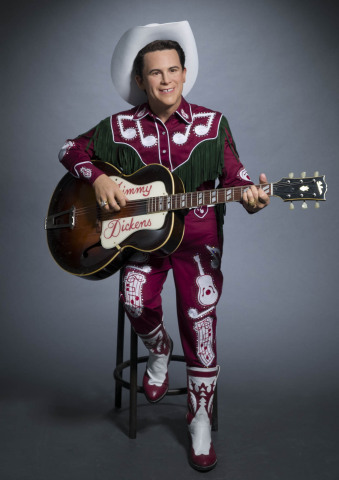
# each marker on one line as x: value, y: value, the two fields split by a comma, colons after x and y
x: 195, y: 143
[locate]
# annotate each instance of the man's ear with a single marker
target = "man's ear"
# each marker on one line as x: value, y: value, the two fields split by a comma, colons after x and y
x: 139, y: 82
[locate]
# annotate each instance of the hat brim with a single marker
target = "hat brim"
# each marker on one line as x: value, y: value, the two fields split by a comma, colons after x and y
x: 134, y: 40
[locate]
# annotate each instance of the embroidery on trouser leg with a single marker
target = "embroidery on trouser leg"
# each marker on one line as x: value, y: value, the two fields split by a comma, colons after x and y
x: 133, y: 293
x: 207, y: 294
x: 194, y: 314
x: 204, y: 330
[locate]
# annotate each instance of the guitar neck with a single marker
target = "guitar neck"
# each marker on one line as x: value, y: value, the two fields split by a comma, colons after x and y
x: 180, y: 201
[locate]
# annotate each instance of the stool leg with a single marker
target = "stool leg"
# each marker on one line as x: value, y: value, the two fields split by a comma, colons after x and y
x: 120, y: 344
x: 215, y: 411
x: 133, y: 385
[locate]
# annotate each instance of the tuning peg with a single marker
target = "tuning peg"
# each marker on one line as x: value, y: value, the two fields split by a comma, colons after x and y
x: 303, y: 174
x: 304, y: 205
x: 316, y: 174
x: 291, y: 206
x: 291, y: 175
x: 317, y: 205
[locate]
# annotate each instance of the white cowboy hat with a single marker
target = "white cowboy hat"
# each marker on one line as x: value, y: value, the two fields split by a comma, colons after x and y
x: 134, y: 40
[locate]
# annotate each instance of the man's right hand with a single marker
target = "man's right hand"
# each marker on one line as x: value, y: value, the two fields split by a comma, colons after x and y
x: 108, y: 194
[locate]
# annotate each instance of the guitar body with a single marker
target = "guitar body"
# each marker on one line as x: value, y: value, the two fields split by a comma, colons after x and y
x: 77, y: 228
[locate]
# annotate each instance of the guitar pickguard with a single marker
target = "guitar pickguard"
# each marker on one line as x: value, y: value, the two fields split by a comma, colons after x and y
x: 116, y: 230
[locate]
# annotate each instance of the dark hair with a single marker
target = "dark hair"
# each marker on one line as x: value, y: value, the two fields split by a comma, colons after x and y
x: 138, y: 64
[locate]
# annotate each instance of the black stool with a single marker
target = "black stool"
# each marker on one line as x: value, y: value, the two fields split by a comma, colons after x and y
x: 132, y: 363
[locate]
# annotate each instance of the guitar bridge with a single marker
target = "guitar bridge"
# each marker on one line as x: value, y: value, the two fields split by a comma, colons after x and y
x: 65, y: 219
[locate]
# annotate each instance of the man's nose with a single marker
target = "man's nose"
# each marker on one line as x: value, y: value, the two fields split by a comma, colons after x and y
x: 165, y: 77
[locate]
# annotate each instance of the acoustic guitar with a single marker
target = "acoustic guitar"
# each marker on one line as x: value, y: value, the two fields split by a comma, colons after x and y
x: 93, y: 244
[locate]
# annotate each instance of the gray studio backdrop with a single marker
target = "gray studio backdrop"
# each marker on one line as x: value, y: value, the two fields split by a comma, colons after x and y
x: 272, y: 68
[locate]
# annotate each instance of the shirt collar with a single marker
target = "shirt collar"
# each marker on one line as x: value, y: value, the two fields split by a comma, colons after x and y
x: 184, y: 111
x: 142, y: 111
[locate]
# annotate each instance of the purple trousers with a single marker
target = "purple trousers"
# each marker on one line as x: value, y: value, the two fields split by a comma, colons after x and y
x: 198, y: 282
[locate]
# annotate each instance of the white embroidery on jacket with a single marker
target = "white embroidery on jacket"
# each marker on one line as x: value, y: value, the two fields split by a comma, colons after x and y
x: 200, y: 130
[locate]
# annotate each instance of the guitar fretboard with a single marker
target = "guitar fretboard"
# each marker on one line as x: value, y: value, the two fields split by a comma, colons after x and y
x: 181, y: 201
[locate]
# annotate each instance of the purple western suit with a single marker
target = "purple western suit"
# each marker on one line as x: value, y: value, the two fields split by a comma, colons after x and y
x: 196, y: 144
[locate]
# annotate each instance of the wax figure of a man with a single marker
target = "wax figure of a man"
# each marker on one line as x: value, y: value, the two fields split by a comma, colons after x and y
x: 196, y: 144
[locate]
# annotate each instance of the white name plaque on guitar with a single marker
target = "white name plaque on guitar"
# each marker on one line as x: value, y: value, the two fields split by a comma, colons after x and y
x: 116, y: 230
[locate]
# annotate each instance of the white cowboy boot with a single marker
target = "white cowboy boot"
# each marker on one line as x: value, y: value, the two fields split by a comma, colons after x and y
x: 160, y: 346
x: 201, y: 383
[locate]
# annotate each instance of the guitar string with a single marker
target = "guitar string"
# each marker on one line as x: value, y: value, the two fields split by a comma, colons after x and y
x: 143, y: 202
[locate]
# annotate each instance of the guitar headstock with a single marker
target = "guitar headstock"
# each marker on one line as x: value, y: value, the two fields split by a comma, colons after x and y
x: 301, y: 189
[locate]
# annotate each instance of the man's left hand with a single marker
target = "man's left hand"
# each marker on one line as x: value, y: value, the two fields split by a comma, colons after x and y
x: 255, y: 199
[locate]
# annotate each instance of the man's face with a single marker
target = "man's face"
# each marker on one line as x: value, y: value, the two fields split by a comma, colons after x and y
x: 163, y: 80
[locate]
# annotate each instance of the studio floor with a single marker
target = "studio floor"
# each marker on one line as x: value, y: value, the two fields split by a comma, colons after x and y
x: 76, y: 433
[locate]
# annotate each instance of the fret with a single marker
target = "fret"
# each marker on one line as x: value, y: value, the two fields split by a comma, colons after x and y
x: 188, y: 200
x: 183, y: 200
x: 194, y: 199
x: 267, y: 188
x: 169, y: 198
x: 213, y: 196
x: 228, y: 194
x: 200, y: 198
